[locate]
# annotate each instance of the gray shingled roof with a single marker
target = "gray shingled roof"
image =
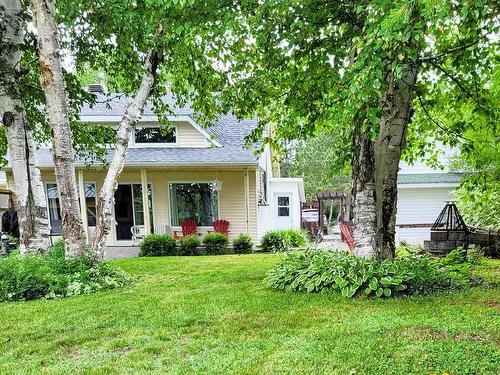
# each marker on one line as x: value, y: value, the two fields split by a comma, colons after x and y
x: 227, y: 129
x: 114, y: 104
x: 429, y: 178
x: 171, y: 156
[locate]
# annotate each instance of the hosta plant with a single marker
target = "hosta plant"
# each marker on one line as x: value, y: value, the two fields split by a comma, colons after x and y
x: 342, y: 272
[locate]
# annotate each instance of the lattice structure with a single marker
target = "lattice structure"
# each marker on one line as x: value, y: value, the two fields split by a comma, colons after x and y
x: 450, y: 220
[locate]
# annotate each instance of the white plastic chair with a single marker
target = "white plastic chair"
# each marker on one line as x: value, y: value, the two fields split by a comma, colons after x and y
x: 138, y: 234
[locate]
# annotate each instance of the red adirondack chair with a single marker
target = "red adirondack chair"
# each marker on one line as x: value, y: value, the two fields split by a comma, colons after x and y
x: 221, y: 226
x: 347, y: 236
x: 189, y: 227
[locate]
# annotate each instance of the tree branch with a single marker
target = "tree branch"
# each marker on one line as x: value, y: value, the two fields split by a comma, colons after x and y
x: 458, y: 48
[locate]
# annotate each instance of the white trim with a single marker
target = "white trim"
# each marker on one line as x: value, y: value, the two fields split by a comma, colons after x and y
x: 298, y: 180
x: 118, y: 118
x: 288, y: 195
x: 169, y: 208
x: 429, y: 185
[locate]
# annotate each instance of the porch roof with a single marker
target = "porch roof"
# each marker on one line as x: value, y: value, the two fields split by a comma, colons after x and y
x: 163, y: 156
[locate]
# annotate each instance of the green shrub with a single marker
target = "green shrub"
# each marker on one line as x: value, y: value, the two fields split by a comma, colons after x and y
x: 51, y: 276
x: 273, y: 241
x: 316, y: 270
x: 243, y: 244
x: 188, y: 245
x: 215, y: 243
x: 294, y: 238
x: 406, y: 249
x: 158, y: 245
x: 282, y: 240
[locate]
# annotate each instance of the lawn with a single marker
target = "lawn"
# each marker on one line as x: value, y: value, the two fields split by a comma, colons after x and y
x: 212, y: 315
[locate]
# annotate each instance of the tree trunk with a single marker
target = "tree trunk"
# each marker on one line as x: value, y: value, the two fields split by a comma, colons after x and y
x: 363, y: 192
x: 375, y: 170
x: 31, y: 203
x: 54, y: 87
x: 104, y: 213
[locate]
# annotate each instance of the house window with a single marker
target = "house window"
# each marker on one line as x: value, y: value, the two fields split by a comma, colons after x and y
x: 262, y: 187
x: 90, y: 203
x: 283, y: 206
x: 55, y: 207
x: 194, y: 201
x: 150, y: 134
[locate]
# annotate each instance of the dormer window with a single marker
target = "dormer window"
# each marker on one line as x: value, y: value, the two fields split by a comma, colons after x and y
x: 155, y: 135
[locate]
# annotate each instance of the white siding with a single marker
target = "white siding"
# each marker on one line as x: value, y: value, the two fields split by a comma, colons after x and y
x: 264, y: 213
x: 419, y: 206
x: 443, y: 158
x: 282, y: 186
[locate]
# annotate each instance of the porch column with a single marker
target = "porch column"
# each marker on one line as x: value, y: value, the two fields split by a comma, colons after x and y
x: 246, y: 187
x: 83, y: 202
x: 145, y: 201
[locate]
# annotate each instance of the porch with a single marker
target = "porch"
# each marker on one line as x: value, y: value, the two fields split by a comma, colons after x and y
x: 172, y: 196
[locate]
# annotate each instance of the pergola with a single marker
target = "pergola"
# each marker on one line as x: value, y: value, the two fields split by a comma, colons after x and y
x: 345, y: 203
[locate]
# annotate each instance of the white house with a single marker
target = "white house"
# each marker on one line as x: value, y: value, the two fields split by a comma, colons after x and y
x: 422, y: 193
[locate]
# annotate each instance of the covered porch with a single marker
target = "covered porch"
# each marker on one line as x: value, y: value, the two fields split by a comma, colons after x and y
x: 173, y: 195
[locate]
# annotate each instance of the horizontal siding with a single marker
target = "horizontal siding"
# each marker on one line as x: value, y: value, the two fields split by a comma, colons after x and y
x: 421, y: 205
x: 231, y: 197
x: 264, y: 221
x: 252, y: 212
x: 188, y: 136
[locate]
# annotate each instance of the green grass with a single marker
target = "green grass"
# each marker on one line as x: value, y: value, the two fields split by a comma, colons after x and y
x: 212, y: 315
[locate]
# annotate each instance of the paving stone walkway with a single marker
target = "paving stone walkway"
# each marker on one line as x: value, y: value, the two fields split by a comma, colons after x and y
x: 121, y: 252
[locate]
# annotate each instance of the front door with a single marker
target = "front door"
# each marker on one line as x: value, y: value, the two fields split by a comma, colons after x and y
x: 124, y: 212
x: 283, y: 210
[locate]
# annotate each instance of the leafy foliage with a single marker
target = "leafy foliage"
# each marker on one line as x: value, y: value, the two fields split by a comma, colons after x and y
x: 31, y: 277
x: 283, y: 240
x: 316, y: 160
x: 315, y: 271
x: 188, y: 245
x: 158, y: 245
x: 215, y: 243
x: 243, y: 244
x: 478, y: 199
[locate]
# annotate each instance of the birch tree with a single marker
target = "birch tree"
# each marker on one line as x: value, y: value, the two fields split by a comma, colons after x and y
x: 54, y: 87
x: 104, y: 213
x: 30, y: 196
x: 115, y: 37
x: 357, y: 69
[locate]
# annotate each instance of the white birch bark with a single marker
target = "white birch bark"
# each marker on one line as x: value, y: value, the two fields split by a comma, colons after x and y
x: 363, y: 191
x: 30, y: 197
x: 397, y: 106
x: 375, y: 170
x: 54, y: 87
x: 104, y: 213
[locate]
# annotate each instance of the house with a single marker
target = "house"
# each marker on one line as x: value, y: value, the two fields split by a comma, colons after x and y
x: 4, y: 194
x: 422, y: 194
x: 188, y: 172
